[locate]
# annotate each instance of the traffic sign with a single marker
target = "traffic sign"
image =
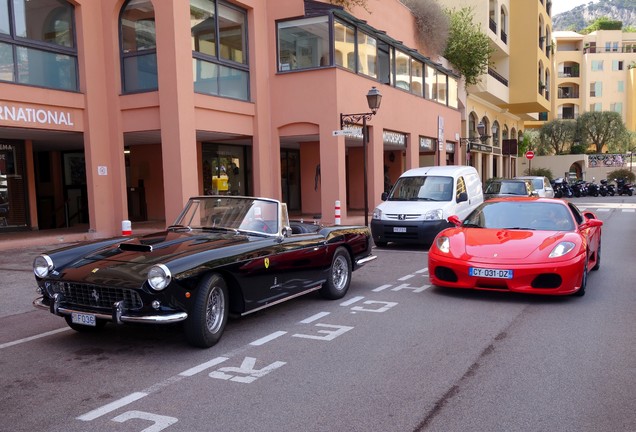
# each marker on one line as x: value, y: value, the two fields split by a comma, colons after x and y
x: 529, y: 154
x: 344, y: 132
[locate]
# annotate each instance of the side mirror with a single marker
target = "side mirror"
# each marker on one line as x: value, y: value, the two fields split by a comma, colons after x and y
x: 462, y: 197
x: 454, y: 220
x: 534, y: 193
x: 384, y: 196
x: 286, y: 231
x: 591, y: 223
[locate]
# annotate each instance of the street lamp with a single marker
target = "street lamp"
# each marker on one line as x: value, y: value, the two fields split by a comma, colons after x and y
x: 373, y: 100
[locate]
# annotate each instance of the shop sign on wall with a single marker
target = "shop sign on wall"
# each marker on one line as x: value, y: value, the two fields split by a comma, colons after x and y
x: 32, y: 115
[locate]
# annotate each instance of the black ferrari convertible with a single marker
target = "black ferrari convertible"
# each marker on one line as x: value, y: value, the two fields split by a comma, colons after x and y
x: 224, y: 254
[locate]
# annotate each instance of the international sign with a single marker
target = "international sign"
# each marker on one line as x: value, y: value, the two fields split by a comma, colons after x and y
x: 529, y: 154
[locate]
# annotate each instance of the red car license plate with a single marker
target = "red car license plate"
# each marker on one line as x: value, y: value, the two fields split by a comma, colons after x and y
x: 490, y: 273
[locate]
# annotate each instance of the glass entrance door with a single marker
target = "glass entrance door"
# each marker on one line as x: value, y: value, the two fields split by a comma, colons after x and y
x: 290, y: 178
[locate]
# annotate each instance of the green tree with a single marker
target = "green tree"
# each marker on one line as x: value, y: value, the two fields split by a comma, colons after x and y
x: 557, y: 136
x: 603, y: 129
x: 468, y: 49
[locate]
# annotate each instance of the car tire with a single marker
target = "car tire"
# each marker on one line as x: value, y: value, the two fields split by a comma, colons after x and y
x: 597, y: 265
x: 380, y: 243
x: 208, y: 317
x: 581, y: 291
x: 339, y: 278
x: 99, y: 325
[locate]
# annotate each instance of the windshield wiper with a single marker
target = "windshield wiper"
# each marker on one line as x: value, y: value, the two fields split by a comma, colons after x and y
x: 520, y: 228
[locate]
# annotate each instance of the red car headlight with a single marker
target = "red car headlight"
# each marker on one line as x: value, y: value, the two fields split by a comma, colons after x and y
x: 561, y: 249
x: 443, y: 244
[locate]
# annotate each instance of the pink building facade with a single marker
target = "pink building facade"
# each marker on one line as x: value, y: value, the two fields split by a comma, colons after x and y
x: 116, y: 110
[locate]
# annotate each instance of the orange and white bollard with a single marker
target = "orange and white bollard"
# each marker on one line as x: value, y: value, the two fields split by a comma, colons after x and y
x: 126, y: 228
x: 338, y: 212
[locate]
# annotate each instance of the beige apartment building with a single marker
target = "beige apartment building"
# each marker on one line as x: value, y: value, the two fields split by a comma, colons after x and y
x: 594, y: 72
x: 517, y: 86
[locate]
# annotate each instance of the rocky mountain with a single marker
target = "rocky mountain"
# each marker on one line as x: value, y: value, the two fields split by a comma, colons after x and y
x: 582, y: 16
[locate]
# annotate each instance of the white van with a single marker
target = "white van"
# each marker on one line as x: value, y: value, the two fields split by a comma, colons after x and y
x: 417, y: 206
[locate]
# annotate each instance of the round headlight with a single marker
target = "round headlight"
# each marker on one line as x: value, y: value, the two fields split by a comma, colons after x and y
x: 159, y: 277
x: 42, y: 266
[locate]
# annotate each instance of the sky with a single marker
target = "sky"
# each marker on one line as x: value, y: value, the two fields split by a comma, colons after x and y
x: 559, y: 6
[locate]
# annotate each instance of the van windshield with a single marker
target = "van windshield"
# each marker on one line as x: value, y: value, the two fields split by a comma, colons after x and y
x: 424, y: 188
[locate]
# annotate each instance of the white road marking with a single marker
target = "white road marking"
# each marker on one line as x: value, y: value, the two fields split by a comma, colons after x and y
x: 30, y: 338
x: 315, y: 317
x: 407, y: 277
x: 381, y: 288
x: 351, y: 301
x: 92, y: 415
x: 203, y: 366
x: 268, y: 338
x: 629, y: 210
x: 424, y: 270
x: 603, y: 210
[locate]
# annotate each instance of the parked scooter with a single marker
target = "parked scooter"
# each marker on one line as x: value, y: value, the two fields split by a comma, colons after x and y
x: 603, y: 189
x: 623, y: 187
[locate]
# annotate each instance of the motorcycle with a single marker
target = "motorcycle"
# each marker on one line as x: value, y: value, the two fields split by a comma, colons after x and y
x: 592, y: 188
x: 603, y: 189
x: 561, y: 188
x: 579, y: 189
x: 623, y: 187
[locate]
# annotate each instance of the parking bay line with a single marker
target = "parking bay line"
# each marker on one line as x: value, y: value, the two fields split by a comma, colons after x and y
x: 30, y: 338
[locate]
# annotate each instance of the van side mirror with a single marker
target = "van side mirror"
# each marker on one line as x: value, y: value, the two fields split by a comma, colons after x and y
x: 384, y: 196
x: 462, y: 197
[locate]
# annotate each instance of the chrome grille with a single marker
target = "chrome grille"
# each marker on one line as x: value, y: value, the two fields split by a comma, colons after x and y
x: 95, y: 296
x: 404, y: 217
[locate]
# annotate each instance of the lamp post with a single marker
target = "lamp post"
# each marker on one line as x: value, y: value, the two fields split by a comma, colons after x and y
x: 373, y: 100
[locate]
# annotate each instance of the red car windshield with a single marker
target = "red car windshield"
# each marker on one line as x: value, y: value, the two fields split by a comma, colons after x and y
x: 533, y: 215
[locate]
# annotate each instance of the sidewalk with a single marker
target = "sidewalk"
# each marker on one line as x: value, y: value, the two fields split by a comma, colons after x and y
x: 49, y: 239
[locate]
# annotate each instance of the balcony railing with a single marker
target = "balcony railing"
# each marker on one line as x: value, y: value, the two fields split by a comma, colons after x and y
x: 570, y: 74
x: 504, y: 37
x: 498, y: 77
x: 493, y: 25
x: 568, y: 94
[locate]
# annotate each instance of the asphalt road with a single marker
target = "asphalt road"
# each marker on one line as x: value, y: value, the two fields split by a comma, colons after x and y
x: 394, y: 355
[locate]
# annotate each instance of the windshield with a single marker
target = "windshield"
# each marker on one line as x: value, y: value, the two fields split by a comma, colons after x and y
x: 233, y: 213
x: 424, y: 188
x: 534, y: 215
x: 507, y: 188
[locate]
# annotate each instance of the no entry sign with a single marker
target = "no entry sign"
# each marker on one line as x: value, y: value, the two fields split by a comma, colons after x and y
x: 529, y: 154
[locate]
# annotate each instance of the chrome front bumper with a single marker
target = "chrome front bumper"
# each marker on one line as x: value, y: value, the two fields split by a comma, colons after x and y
x: 117, y: 316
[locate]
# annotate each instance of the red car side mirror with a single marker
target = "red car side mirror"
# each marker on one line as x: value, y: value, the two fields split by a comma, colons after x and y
x: 591, y: 223
x: 454, y: 220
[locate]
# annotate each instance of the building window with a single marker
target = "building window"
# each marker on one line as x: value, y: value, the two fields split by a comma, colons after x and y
x: 597, y: 65
x: 303, y: 44
x: 219, y: 49
x: 620, y: 86
x: 138, y: 47
x: 417, y: 78
x: 617, y: 107
x: 37, y: 44
x: 596, y: 89
x: 402, y: 71
x: 596, y: 107
x: 617, y: 65
x: 367, y: 55
x: 344, y: 45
